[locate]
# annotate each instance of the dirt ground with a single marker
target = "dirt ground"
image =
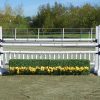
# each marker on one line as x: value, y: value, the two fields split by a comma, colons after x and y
x: 40, y: 87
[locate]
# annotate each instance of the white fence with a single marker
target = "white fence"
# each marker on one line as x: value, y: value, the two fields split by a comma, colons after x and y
x: 39, y: 33
x: 49, y: 55
x: 93, y: 56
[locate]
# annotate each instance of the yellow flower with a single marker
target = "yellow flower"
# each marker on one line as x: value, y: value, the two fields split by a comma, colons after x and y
x: 17, y: 71
x: 86, y: 68
x: 48, y: 71
x: 42, y: 68
x: 77, y: 68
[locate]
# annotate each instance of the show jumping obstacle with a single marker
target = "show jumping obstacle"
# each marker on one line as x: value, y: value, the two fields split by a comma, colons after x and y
x: 93, y: 56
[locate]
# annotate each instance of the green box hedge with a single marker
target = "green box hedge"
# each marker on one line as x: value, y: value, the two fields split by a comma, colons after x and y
x: 46, y: 62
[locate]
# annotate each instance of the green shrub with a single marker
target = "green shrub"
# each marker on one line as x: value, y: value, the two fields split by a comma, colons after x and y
x: 52, y: 63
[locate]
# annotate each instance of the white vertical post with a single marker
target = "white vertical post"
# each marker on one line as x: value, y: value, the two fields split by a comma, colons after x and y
x: 0, y: 32
x: 45, y: 57
x: 1, y: 48
x: 54, y: 56
x: 96, y: 48
x: 63, y: 33
x: 58, y: 56
x: 91, y: 33
x: 6, y: 58
x: 98, y: 51
x: 49, y: 56
x: 15, y: 33
x: 67, y: 55
x: 36, y: 56
x: 38, y: 32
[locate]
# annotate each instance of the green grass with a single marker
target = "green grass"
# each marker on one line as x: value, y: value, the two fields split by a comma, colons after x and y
x: 50, y: 87
x: 72, y: 35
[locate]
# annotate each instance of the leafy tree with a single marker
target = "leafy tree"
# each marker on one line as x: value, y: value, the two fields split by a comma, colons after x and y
x: 59, y: 16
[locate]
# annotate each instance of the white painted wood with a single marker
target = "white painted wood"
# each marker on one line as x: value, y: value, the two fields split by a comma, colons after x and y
x: 58, y: 56
x: 19, y: 56
x: 23, y: 56
x: 28, y: 56
x: 54, y: 57
x: 91, y: 33
x: 63, y: 33
x: 32, y: 56
x: 6, y: 58
x: 53, y: 44
x: 36, y: 56
x: 40, y: 56
x: 63, y: 55
x: 49, y: 56
x: 49, y: 52
x: 15, y: 33
x: 99, y: 51
x: 38, y: 33
x: 37, y: 53
x: 67, y: 55
x: 71, y: 55
x: 10, y: 56
x: 0, y: 32
x: 1, y: 49
x: 14, y: 55
x: 49, y: 39
x: 45, y: 56
x: 89, y: 56
x: 80, y: 56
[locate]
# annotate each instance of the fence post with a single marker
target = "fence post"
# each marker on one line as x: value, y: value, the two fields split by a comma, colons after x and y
x: 15, y: 33
x: 98, y: 51
x: 91, y: 33
x: 38, y: 33
x: 1, y: 48
x: 63, y: 33
x: 80, y: 33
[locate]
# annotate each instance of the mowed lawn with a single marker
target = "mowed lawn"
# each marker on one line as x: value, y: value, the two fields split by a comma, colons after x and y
x: 40, y: 87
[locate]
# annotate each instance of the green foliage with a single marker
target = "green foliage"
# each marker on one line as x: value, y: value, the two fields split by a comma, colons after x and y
x: 44, y: 62
x: 56, y: 16
x: 60, y: 16
x: 12, y: 17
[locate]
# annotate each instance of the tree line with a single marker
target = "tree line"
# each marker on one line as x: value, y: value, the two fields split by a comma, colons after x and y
x: 60, y: 16
x: 56, y: 16
x: 12, y: 17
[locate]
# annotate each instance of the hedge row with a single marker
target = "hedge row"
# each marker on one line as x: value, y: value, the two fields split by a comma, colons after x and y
x: 44, y: 62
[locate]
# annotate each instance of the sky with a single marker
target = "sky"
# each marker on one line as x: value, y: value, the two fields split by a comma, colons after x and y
x: 30, y: 7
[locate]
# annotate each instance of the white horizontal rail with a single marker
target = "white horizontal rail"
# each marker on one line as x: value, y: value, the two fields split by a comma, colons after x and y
x: 49, y: 44
x: 52, y: 52
x: 43, y: 39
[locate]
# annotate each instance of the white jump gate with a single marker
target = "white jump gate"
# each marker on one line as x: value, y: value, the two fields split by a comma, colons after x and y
x: 93, y: 56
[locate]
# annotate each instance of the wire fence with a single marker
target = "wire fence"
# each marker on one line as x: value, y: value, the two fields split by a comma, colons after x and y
x: 40, y: 33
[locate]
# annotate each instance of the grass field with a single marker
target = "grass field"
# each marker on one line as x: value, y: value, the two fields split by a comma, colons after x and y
x: 59, y: 35
x: 50, y: 87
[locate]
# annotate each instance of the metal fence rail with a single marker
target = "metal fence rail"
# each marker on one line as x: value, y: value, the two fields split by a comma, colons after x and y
x: 49, y: 33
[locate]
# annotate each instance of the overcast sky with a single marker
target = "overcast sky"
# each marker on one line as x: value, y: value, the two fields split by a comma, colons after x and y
x: 31, y: 6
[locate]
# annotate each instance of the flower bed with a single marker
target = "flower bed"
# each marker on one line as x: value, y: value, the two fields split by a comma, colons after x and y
x: 49, y: 70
